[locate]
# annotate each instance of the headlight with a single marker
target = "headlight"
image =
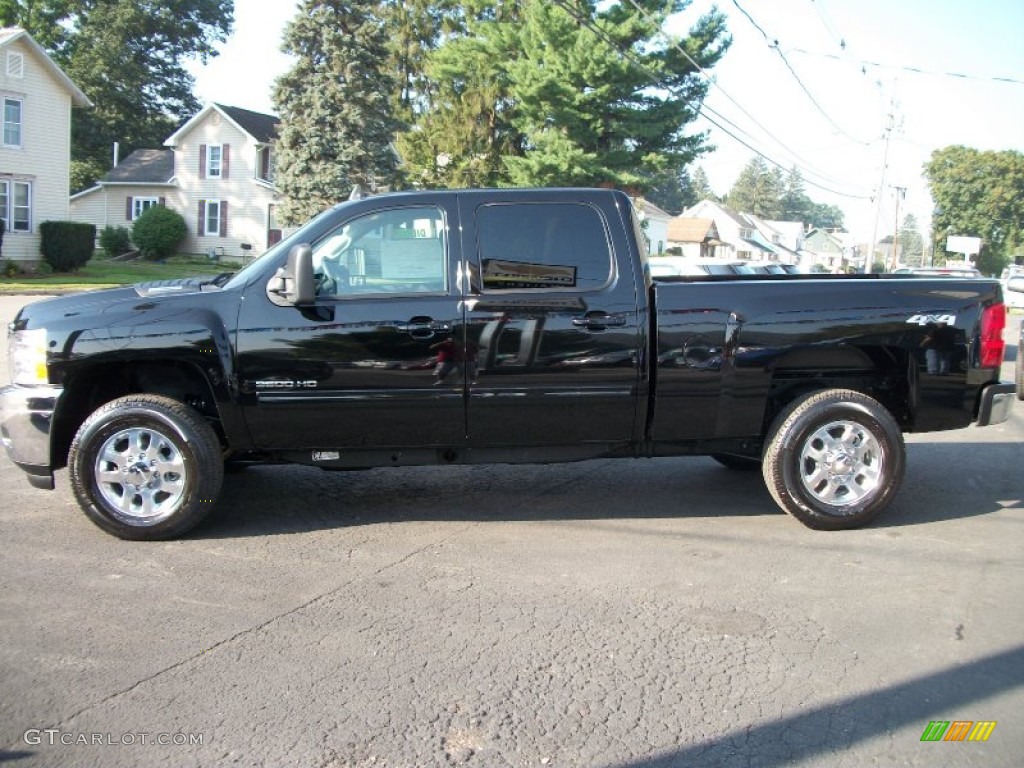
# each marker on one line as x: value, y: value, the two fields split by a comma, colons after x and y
x: 27, y: 357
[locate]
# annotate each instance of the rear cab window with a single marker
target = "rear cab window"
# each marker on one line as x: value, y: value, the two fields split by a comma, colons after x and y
x: 550, y: 246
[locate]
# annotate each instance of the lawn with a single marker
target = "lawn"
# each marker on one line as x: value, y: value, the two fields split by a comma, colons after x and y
x: 103, y: 273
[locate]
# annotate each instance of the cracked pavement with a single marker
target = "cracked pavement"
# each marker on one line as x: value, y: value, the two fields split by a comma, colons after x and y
x: 633, y: 614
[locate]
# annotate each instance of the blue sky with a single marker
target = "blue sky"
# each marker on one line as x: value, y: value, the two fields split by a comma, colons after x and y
x: 834, y: 47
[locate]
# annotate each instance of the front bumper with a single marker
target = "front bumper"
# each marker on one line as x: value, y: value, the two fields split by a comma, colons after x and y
x: 26, y: 418
x: 996, y: 401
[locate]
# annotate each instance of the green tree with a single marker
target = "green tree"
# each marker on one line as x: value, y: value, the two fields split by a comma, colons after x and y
x: 979, y: 194
x: 335, y: 106
x: 911, y: 243
x: 701, y: 187
x: 463, y: 125
x: 758, y: 190
x: 826, y: 217
x: 795, y: 204
x: 40, y: 18
x: 586, y: 103
x: 671, y: 191
x: 128, y: 58
x: 415, y: 29
x: 158, y: 231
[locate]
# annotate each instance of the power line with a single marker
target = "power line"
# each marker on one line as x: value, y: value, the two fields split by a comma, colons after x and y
x: 714, y: 84
x: 701, y: 109
x: 774, y: 45
x: 909, y: 68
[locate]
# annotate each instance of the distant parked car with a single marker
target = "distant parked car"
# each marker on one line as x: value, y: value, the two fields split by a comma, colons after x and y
x: 679, y: 266
x: 946, y: 272
x: 1013, y: 297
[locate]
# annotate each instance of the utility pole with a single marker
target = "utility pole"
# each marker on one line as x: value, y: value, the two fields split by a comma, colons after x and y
x: 889, y: 125
x: 901, y: 193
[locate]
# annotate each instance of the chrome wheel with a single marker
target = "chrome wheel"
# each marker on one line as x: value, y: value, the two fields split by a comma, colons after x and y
x: 841, y: 463
x: 834, y: 459
x: 141, y: 475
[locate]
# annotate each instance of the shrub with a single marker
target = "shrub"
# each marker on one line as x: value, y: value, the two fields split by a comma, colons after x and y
x: 11, y: 268
x: 115, y: 240
x: 157, y: 232
x: 67, y: 245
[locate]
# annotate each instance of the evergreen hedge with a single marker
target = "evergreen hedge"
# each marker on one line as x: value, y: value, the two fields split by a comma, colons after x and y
x: 67, y: 245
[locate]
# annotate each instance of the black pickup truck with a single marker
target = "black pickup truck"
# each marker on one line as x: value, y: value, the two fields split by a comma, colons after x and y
x: 479, y: 326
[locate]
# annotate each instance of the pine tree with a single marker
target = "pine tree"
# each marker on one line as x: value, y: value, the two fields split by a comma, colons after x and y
x: 463, y: 128
x: 701, y: 187
x: 910, y: 241
x: 586, y: 102
x: 795, y: 204
x: 336, y: 108
x: 757, y: 190
x: 415, y: 29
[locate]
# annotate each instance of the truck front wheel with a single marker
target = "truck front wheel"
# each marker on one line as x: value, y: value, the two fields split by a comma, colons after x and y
x: 145, y: 467
x: 834, y: 459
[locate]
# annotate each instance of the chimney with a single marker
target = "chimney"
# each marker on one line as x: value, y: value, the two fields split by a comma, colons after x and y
x: 117, y: 153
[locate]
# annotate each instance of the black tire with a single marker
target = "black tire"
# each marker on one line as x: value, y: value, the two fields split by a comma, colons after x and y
x: 834, y: 459
x: 737, y: 462
x: 145, y: 467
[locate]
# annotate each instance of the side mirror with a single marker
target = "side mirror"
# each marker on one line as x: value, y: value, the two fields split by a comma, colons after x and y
x: 294, y: 285
x: 1015, y: 284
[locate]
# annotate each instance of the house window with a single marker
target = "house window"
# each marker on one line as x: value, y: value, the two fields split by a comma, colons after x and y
x: 211, y: 221
x: 746, y: 233
x: 214, y: 160
x: 140, y: 204
x: 264, y: 164
x: 12, y: 122
x: 16, y: 205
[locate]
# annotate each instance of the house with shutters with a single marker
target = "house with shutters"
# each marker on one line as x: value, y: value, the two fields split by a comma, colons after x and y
x: 217, y: 171
x: 35, y: 145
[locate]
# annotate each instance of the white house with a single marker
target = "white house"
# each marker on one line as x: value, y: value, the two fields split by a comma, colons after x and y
x: 35, y: 146
x: 655, y: 224
x: 217, y: 172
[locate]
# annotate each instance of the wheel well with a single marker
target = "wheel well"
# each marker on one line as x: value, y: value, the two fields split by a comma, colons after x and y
x: 90, y: 388
x: 882, y: 373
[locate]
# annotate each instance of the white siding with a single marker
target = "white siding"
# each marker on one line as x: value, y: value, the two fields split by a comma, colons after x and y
x: 45, y: 155
x: 108, y: 205
x: 247, y: 199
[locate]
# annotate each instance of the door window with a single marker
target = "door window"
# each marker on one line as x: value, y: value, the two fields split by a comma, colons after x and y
x: 557, y: 246
x: 394, y: 251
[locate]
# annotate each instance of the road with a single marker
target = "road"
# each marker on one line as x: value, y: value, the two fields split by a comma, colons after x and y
x: 631, y: 614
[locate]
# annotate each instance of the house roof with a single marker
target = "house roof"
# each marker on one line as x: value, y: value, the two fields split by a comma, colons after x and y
x: 703, y: 206
x: 143, y: 166
x: 687, y: 230
x: 262, y: 127
x: 650, y: 209
x: 9, y: 35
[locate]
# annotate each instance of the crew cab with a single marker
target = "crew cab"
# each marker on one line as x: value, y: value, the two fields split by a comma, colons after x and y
x: 453, y: 327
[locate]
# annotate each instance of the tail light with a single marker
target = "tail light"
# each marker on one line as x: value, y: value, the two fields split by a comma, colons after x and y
x: 993, y: 321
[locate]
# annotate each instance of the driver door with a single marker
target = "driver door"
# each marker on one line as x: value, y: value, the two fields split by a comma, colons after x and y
x: 358, y: 369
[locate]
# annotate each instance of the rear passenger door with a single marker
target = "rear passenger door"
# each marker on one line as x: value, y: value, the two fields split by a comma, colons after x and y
x: 553, y: 328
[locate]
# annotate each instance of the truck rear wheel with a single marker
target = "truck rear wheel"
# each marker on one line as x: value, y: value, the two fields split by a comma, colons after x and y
x: 145, y: 467
x: 834, y: 459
